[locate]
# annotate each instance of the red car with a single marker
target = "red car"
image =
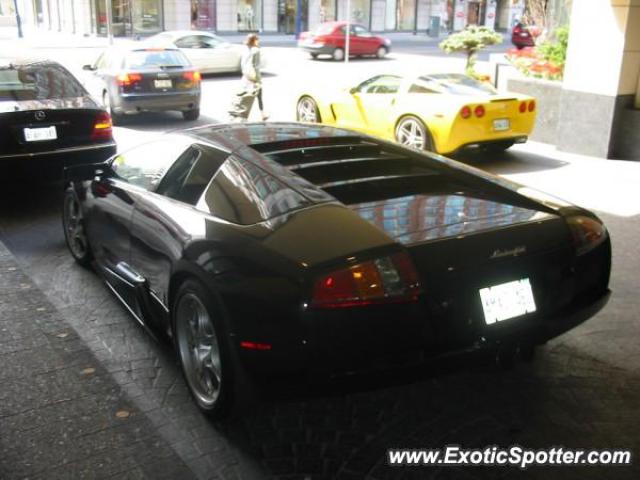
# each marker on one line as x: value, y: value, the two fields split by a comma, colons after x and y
x: 329, y: 39
x: 522, y: 36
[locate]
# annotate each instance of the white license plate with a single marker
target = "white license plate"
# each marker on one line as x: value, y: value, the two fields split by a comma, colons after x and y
x: 501, y: 124
x: 40, y: 134
x: 508, y: 300
x: 162, y: 83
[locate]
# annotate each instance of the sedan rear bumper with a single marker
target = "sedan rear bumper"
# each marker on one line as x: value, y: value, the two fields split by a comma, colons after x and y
x: 152, y: 102
x: 317, y: 49
x: 49, y: 164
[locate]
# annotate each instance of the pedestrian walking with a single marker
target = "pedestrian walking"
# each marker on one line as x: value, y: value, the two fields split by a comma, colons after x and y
x: 251, y: 81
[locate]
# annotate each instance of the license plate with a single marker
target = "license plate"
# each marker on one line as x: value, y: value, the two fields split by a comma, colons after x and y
x: 40, y: 134
x: 507, y: 300
x: 162, y: 83
x: 501, y: 124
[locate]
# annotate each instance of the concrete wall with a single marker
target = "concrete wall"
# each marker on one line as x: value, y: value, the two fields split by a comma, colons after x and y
x: 548, y: 99
x: 602, y: 71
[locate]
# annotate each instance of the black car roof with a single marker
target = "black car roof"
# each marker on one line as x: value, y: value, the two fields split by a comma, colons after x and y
x: 26, y: 61
x: 255, y: 135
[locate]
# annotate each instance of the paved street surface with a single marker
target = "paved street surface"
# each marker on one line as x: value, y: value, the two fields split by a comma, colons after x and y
x: 582, y: 390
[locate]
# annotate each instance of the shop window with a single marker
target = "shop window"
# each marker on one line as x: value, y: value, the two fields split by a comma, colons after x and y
x: 249, y: 15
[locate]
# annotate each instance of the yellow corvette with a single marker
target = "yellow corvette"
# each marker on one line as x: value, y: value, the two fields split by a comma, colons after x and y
x: 444, y: 113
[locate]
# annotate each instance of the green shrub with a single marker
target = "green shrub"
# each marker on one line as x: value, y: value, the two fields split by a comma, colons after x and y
x: 471, y: 40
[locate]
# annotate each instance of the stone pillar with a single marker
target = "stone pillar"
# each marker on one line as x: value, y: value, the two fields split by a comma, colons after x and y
x: 601, y: 75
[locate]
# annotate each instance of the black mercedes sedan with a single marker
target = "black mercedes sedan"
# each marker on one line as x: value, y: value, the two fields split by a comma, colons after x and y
x: 48, y: 120
x: 271, y: 249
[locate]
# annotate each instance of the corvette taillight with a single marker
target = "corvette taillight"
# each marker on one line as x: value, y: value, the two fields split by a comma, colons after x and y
x: 586, y: 232
x: 479, y: 111
x: 523, y: 107
x: 532, y: 105
x: 465, y: 112
x: 389, y: 279
x: 102, y: 127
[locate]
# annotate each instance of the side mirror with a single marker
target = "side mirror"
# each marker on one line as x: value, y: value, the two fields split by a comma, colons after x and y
x: 353, y: 90
x: 91, y: 68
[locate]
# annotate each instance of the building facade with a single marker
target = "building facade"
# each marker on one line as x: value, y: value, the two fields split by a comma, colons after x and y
x: 146, y: 17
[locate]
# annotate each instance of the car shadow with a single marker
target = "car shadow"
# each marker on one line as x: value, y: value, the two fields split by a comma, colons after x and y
x: 167, y: 121
x: 509, y: 162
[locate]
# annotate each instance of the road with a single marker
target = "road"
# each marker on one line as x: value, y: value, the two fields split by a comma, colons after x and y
x: 582, y: 390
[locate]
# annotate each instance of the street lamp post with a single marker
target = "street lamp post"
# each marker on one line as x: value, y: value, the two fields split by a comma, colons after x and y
x: 109, y: 6
x: 18, y: 21
x: 347, y: 33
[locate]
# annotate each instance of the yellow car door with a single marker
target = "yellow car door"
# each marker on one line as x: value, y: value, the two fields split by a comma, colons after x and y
x: 377, y: 102
x: 347, y: 111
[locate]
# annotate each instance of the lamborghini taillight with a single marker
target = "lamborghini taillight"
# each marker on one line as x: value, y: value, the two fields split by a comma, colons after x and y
x: 383, y: 280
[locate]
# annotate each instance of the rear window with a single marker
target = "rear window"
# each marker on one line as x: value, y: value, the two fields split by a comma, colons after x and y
x: 38, y: 82
x: 155, y: 59
x: 455, y: 84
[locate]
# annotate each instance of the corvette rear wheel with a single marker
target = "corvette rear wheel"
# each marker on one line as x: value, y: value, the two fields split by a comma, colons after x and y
x: 412, y: 132
x: 74, y: 229
x: 307, y: 110
x: 338, y: 54
x: 202, y: 349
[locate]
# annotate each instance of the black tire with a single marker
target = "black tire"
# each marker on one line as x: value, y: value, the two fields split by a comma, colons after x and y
x: 314, y: 55
x: 73, y: 225
x: 191, y: 115
x: 427, y: 143
x: 116, y: 118
x: 338, y: 54
x: 382, y: 51
x: 216, y: 405
x: 306, y: 104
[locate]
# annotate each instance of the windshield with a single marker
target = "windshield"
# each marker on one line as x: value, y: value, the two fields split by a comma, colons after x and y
x: 38, y: 82
x: 456, y: 84
x: 155, y: 58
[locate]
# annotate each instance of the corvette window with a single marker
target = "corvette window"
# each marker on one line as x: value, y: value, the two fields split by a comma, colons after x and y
x: 145, y: 165
x: 380, y: 84
x: 245, y: 194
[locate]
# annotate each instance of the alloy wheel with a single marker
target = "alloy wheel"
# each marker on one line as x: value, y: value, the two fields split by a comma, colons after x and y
x: 411, y: 132
x: 199, y: 349
x: 74, y: 227
x: 307, y: 110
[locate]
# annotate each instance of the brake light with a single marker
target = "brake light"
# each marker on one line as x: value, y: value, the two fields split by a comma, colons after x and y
x: 523, y: 107
x: 192, y: 76
x: 102, y: 128
x: 479, y: 111
x: 384, y: 280
x: 126, y: 79
x: 586, y: 232
x: 465, y: 112
x: 532, y: 105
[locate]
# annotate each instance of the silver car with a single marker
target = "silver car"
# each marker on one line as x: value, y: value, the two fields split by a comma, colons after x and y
x: 206, y: 51
x: 134, y: 80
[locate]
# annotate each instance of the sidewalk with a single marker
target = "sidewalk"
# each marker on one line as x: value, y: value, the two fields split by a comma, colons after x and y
x: 61, y: 414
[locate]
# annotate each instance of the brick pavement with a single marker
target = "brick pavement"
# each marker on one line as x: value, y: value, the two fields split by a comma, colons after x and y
x: 61, y: 413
